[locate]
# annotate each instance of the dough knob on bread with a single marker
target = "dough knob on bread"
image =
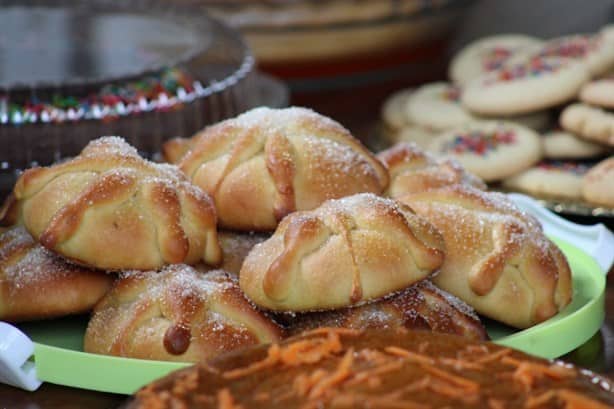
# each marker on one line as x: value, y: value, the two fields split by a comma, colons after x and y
x: 498, y: 259
x: 177, y: 314
x: 267, y: 163
x: 111, y: 209
x: 345, y: 252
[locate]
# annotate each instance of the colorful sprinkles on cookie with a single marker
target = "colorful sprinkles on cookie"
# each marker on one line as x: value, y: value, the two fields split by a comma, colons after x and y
x: 452, y: 94
x: 160, y: 92
x: 495, y: 57
x: 535, y: 67
x: 479, y: 142
x: 564, y: 166
x: 572, y: 47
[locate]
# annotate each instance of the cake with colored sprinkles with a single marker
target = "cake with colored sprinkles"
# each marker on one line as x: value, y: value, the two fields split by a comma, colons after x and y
x: 140, y: 70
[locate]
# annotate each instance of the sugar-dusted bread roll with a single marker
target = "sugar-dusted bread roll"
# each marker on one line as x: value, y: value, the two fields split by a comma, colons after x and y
x: 421, y: 306
x: 342, y: 369
x: 345, y: 252
x: 498, y: 259
x: 413, y: 170
x: 598, y: 183
x: 36, y: 284
x: 177, y: 314
x: 174, y: 149
x: 267, y: 163
x: 111, y: 209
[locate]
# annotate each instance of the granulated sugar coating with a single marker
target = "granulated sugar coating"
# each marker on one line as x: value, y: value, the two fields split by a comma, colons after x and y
x: 37, y: 284
x: 176, y: 314
x: 108, y: 208
x: 498, y: 259
x: 346, y: 252
x: 267, y: 163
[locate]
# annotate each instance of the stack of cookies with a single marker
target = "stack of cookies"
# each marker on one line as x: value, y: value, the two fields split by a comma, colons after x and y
x: 267, y: 225
x: 499, y: 115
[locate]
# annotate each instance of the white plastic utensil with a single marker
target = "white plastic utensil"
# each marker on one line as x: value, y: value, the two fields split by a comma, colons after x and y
x: 596, y: 240
x: 15, y: 367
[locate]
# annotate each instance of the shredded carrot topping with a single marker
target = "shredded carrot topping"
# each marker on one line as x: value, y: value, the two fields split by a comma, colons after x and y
x: 460, y: 364
x: 409, y: 355
x: 271, y: 360
x: 574, y: 400
x: 342, y: 372
x: 367, y: 374
x: 225, y: 400
x: 329, y: 330
x: 494, y: 356
x: 495, y: 404
x: 465, y: 383
x: 539, y: 400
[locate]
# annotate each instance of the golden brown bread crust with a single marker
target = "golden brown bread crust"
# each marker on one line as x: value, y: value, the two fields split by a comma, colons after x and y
x: 413, y: 170
x: 36, y: 284
x: 177, y: 314
x: 420, y: 306
x: 109, y: 208
x: 267, y: 163
x: 498, y: 259
x: 174, y: 149
x: 378, y: 369
x: 345, y: 252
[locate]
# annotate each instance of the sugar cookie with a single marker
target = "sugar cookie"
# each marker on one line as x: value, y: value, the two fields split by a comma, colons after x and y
x: 530, y: 86
x: 487, y: 54
x: 599, y: 92
x: 565, y: 145
x: 596, y: 50
x: 589, y: 122
x: 598, y: 183
x: 553, y: 178
x: 492, y: 150
x: 393, y: 109
x: 436, y: 106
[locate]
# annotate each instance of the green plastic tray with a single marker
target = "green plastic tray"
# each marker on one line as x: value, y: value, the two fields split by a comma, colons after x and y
x: 59, y: 358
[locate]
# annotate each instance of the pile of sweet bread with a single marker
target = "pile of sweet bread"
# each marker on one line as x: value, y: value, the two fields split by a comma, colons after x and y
x: 523, y: 113
x: 263, y: 226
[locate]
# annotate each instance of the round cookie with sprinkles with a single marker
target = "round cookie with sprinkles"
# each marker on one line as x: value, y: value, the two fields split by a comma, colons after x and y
x: 550, y: 179
x: 488, y: 54
x: 561, y: 144
x: 393, y: 110
x: 595, y: 50
x: 437, y: 106
x: 491, y: 150
x: 532, y: 85
x: 599, y: 93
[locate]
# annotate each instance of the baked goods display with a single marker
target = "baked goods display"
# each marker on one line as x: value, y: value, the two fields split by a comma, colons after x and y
x: 266, y: 163
x: 359, y: 259
x: 378, y: 369
x: 36, y: 284
x: 519, y: 81
x: 109, y: 208
x: 498, y: 259
x: 413, y: 170
x: 177, y: 314
x: 345, y: 252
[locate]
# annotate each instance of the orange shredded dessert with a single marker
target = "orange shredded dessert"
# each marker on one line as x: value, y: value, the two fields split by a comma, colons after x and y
x: 332, y: 368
